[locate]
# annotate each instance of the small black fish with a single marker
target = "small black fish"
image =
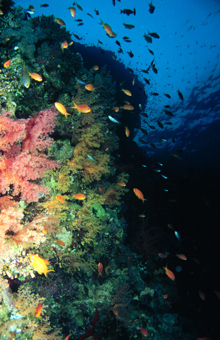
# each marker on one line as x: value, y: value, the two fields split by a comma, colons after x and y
x: 145, y: 71
x: 147, y: 81
x: 167, y: 106
x: 44, y: 5
x: 169, y: 113
x: 155, y: 70
x: 153, y: 145
x: 160, y: 124
x: 147, y: 38
x: 77, y: 37
x: 118, y: 43
x: 90, y: 15
x: 152, y: 127
x: 144, y: 131
x: 128, y: 11
x: 173, y: 140
x: 169, y: 123
x: 113, y: 2
x: 120, y: 50
x: 154, y: 35
x: 79, y: 7
x: 130, y: 69
x: 78, y: 20
x: 96, y: 11
x: 128, y: 40
x: 151, y: 51
x: 167, y: 95
x: 151, y: 7
x: 80, y: 24
x: 180, y: 94
x: 155, y: 94
x: 125, y: 37
x: 130, y: 54
x: 128, y: 26
x: 100, y: 42
x: 142, y: 141
x: 144, y: 114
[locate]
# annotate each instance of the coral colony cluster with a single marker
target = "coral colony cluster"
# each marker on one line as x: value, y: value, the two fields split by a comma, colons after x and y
x: 64, y: 267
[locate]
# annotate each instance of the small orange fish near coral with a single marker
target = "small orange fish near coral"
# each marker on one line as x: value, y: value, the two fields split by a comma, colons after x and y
x: 2, y: 13
x: 127, y: 92
x: 67, y: 337
x: 139, y: 194
x: 60, y: 199
x: 127, y: 107
x: 122, y: 184
x: 116, y: 109
x: 35, y: 76
x: 60, y: 242
x: 60, y: 22
x: 81, y: 108
x: 144, y: 332
x: 72, y: 11
x: 95, y: 67
x: 169, y: 273
x: 100, y: 268
x: 61, y: 109
x: 40, y: 264
x: 89, y: 87
x: 127, y: 132
x: 108, y: 30
x: 64, y: 45
x: 181, y: 257
x: 79, y: 197
x: 38, y: 310
x: 7, y: 63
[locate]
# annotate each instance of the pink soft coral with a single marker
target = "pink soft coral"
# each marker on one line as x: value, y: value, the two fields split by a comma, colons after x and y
x: 22, y: 143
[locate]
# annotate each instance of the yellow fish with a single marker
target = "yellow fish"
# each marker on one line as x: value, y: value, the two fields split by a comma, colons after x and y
x: 61, y: 109
x: 40, y: 264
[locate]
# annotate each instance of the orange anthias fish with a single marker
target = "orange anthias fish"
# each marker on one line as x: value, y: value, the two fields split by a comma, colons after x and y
x: 122, y: 184
x: 95, y: 67
x: 72, y: 11
x: 116, y: 109
x: 108, y: 30
x: 35, y: 76
x: 64, y: 45
x: 100, y: 268
x: 89, y: 87
x: 79, y: 197
x: 61, y: 109
x: 67, y: 337
x: 60, y: 242
x: 60, y: 22
x: 144, y: 332
x: 169, y: 273
x: 181, y: 257
x: 38, y: 310
x: 139, y: 194
x: 127, y: 92
x: 60, y: 199
x: 7, y: 63
x: 40, y: 264
x: 127, y: 132
x: 82, y: 108
x: 127, y: 107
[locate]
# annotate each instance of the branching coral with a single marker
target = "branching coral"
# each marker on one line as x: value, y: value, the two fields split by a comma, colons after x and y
x: 22, y: 144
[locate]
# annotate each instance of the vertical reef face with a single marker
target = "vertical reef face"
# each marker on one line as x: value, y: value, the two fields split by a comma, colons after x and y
x: 64, y: 265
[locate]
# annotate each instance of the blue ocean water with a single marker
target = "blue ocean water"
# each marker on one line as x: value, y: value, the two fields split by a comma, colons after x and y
x: 186, y: 55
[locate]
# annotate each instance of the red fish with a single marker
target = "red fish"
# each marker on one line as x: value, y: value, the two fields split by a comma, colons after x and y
x: 100, y: 268
x: 38, y: 310
x: 144, y: 332
x: 139, y: 194
x: 169, y: 273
